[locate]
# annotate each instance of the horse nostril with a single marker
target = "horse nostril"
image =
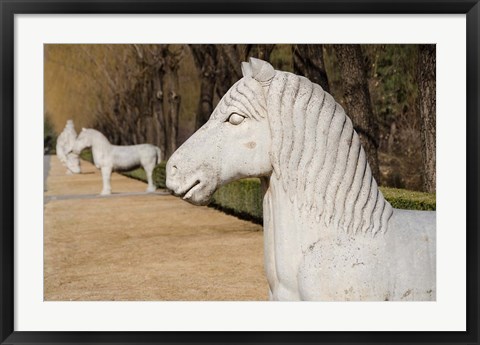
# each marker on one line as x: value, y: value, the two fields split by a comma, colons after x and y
x: 173, y: 170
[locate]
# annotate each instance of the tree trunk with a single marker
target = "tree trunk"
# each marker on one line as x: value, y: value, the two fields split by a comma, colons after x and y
x: 228, y: 71
x: 157, y: 109
x: 233, y: 59
x: 173, y: 114
x: 172, y: 101
x: 427, y: 105
x: 308, y: 62
x: 261, y: 51
x: 357, y: 101
x: 205, y: 57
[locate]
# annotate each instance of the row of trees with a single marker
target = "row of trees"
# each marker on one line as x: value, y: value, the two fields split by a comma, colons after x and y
x: 353, y: 69
x: 139, y: 92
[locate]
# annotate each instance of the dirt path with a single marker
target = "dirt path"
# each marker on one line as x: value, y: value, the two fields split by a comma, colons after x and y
x: 137, y: 246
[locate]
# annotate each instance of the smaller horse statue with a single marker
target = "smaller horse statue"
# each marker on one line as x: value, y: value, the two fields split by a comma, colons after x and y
x: 65, y: 142
x: 108, y: 157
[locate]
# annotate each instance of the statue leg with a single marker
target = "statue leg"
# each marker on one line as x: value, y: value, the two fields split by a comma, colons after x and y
x: 149, y: 171
x: 73, y: 163
x: 106, y: 174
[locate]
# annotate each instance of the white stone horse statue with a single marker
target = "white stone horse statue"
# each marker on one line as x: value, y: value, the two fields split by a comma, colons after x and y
x: 329, y: 234
x: 64, y: 146
x: 108, y: 157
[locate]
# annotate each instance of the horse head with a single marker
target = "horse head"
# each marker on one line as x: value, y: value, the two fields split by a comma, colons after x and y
x: 233, y: 144
x: 83, y: 141
x: 278, y: 122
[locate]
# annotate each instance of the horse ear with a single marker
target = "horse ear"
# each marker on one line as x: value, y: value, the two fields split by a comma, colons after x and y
x: 246, y: 70
x: 262, y: 71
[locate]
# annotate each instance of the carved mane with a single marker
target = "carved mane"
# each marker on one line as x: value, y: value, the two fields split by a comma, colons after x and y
x: 311, y: 134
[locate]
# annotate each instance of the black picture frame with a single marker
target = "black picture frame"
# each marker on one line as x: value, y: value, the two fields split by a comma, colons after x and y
x: 10, y: 8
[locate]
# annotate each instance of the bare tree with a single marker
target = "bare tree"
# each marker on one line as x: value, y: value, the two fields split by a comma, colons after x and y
x: 229, y: 58
x: 308, y: 62
x: 427, y: 105
x: 141, y: 101
x: 172, y: 102
x: 138, y: 106
x: 205, y: 58
x: 357, y: 100
x: 228, y: 69
x: 259, y: 51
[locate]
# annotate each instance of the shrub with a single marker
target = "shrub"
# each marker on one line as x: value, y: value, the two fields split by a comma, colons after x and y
x: 49, y: 136
x: 409, y: 200
x: 87, y: 155
x: 241, y: 198
x: 158, y: 175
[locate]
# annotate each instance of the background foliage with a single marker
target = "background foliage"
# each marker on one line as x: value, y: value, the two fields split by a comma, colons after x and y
x: 129, y: 92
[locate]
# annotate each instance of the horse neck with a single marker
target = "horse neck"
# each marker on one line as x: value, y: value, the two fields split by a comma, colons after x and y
x: 284, y: 218
x: 99, y: 140
x: 297, y: 225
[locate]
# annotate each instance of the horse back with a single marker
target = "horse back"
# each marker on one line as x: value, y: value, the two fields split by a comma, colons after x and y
x: 132, y: 156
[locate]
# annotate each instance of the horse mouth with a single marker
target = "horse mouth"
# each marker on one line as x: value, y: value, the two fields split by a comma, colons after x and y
x: 198, y: 193
x: 187, y: 194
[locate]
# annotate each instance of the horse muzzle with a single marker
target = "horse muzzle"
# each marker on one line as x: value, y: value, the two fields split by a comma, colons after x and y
x: 192, y: 185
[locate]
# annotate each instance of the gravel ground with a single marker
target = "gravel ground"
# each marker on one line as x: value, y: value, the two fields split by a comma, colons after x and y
x: 134, y: 246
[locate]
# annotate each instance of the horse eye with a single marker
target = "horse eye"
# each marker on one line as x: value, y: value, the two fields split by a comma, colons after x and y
x: 235, y: 119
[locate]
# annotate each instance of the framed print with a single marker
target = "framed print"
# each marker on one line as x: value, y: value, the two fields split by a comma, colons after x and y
x: 336, y: 142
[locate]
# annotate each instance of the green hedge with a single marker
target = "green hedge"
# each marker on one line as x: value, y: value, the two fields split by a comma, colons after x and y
x: 409, y: 200
x: 244, y: 198
x: 158, y: 175
x: 241, y: 198
x: 87, y: 155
